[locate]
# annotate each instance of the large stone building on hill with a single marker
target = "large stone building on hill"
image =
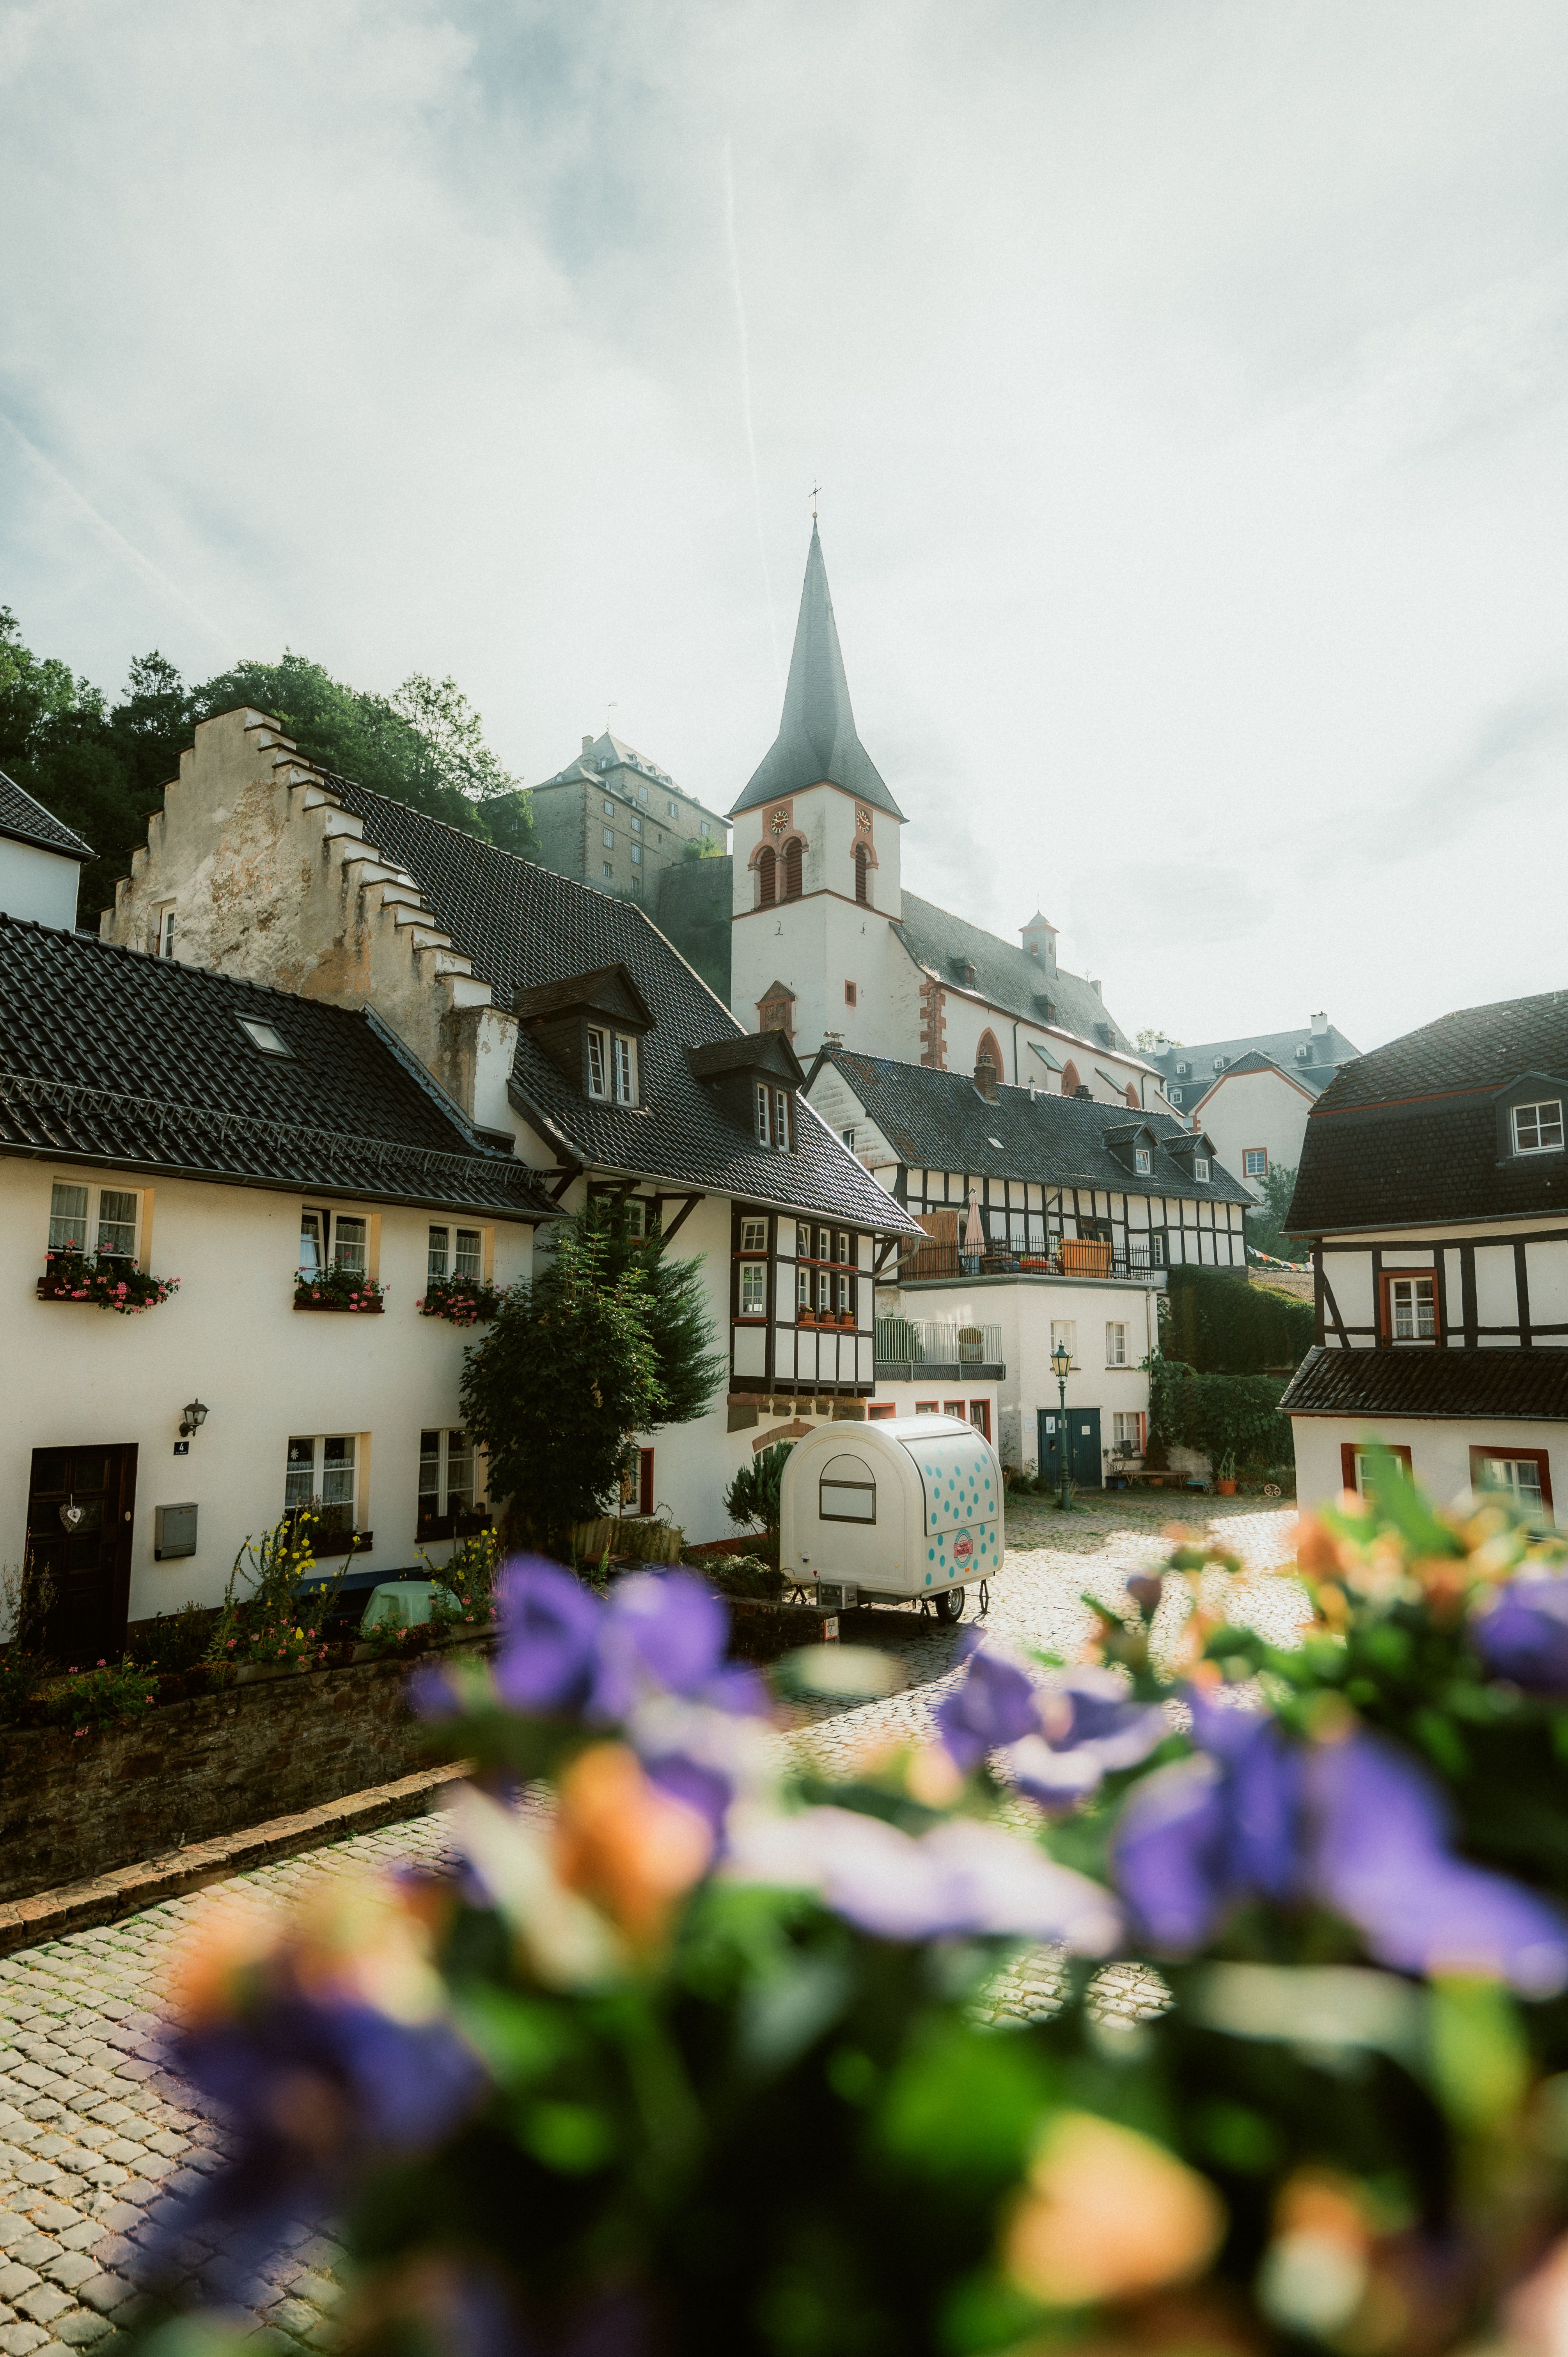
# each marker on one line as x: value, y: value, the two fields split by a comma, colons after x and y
x: 827, y: 946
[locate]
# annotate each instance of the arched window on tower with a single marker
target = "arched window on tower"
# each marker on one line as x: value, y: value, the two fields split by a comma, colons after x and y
x: 766, y: 878
x: 863, y: 875
x: 1132, y: 1097
x: 793, y: 868
x: 1070, y: 1082
x: 988, y: 1053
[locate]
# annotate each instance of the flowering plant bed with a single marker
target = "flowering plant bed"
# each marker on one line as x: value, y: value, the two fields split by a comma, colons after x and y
x: 461, y: 1300
x: 337, y: 1289
x: 111, y: 1283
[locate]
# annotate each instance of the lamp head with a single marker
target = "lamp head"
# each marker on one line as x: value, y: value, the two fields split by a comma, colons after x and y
x: 1061, y: 1360
x: 192, y: 1418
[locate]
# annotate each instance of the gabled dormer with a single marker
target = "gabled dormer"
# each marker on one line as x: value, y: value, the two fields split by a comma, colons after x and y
x: 1193, y: 1152
x: 1134, y: 1144
x: 1531, y: 1112
x: 591, y: 1025
x: 755, y: 1077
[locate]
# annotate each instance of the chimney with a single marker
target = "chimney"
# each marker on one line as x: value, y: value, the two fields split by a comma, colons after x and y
x: 1319, y: 1026
x: 985, y: 1079
x: 1081, y: 1092
x: 588, y: 744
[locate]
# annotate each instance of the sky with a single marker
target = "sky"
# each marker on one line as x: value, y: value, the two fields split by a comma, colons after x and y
x: 1185, y: 380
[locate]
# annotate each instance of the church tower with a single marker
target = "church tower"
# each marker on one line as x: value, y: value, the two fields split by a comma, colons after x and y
x: 815, y: 866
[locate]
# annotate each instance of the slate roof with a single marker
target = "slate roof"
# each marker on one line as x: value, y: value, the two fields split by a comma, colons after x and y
x: 817, y: 738
x: 110, y: 1056
x: 1005, y: 975
x: 26, y: 821
x: 523, y: 926
x: 1431, y: 1383
x: 1410, y: 1132
x: 1330, y: 1050
x: 614, y: 755
x: 940, y: 1121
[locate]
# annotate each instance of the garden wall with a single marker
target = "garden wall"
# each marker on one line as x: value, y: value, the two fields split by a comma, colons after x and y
x: 74, y: 1806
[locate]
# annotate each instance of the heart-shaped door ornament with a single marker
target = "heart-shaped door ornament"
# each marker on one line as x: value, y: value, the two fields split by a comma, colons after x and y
x: 72, y: 1515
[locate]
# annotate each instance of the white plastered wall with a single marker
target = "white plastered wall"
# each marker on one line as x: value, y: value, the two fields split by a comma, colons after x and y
x: 1255, y: 1109
x: 1439, y: 1451
x: 37, y: 885
x: 73, y: 1374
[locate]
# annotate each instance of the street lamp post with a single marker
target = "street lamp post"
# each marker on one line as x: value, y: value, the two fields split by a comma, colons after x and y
x: 1061, y: 1360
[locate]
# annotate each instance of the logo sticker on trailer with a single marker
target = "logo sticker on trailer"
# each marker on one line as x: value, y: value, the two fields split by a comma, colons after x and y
x: 962, y: 1547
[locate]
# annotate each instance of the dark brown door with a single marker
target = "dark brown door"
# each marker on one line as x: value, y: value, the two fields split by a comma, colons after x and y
x: 79, y: 1549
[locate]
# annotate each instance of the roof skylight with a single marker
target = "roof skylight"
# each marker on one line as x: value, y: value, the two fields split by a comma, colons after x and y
x: 262, y: 1036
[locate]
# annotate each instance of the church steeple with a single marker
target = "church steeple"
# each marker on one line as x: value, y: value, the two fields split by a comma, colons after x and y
x: 817, y: 740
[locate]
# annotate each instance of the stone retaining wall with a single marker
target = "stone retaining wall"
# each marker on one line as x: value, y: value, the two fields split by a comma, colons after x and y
x: 73, y: 1806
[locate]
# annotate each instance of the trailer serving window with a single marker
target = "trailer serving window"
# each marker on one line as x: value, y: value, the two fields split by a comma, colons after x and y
x: 847, y: 1491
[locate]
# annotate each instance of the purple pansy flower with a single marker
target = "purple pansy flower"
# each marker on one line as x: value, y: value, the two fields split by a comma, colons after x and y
x: 1355, y: 1825
x: 666, y: 1632
x: 547, y: 1659
x: 993, y: 1703
x: 1088, y: 1726
x: 1522, y: 1635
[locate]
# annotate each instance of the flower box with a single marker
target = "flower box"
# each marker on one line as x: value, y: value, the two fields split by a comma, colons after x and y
x: 337, y: 1289
x: 108, y: 1284
x: 461, y: 1300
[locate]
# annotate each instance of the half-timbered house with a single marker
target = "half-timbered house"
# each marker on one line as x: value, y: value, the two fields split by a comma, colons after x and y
x: 1434, y: 1190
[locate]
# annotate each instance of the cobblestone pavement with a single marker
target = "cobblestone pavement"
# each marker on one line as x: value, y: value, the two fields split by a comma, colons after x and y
x: 96, y: 2136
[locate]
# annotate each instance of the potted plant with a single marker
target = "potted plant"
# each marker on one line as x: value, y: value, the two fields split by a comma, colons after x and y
x: 461, y: 1300
x: 110, y: 1282
x: 339, y: 1288
x: 805, y: 1316
x: 1225, y: 1474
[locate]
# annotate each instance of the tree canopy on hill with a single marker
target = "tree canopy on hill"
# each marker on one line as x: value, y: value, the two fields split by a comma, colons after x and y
x: 102, y: 768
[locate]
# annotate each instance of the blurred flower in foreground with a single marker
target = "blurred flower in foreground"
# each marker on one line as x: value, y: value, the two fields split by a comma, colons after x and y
x: 1090, y: 1726
x: 993, y: 1703
x: 625, y: 1843
x: 1354, y: 1825
x: 961, y: 1879
x: 549, y: 1620
x: 1108, y: 2214
x: 566, y: 1654
x: 1522, y: 1635
x: 1315, y: 2271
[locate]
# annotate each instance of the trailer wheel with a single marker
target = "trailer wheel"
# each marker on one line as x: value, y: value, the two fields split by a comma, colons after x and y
x: 949, y: 1604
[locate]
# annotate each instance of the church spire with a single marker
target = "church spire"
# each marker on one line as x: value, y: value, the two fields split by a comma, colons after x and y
x: 816, y: 739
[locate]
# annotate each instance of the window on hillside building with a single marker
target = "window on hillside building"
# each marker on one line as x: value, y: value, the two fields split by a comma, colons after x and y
x: 636, y: 823
x: 636, y: 854
x: 847, y: 1137
x: 164, y: 938
x: 610, y: 838
x: 455, y: 1251
x: 1538, y: 1128
x: 672, y: 812
x: 1115, y: 1342
x: 1254, y: 1162
x: 705, y: 828
x: 1409, y: 1313
x: 609, y: 871
x: 1064, y: 1329
x: 609, y: 809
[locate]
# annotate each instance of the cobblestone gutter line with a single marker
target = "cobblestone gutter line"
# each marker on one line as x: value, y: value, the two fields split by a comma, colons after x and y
x: 128, y: 1889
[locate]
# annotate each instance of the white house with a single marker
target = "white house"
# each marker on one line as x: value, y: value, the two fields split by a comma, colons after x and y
x: 157, y: 1122
x: 1253, y: 1095
x: 1081, y: 1206
x: 570, y: 1034
x: 40, y: 859
x: 1434, y: 1189
x: 827, y: 946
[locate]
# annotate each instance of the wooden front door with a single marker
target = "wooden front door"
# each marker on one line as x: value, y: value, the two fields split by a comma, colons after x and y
x: 86, y: 1568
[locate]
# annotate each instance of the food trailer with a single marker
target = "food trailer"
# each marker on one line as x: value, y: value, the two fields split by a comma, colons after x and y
x: 904, y: 1509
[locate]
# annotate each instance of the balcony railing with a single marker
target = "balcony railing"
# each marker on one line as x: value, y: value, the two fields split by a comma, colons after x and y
x: 1080, y: 1256
x: 928, y: 1341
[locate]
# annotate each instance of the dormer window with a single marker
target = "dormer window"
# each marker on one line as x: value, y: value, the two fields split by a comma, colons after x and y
x: 1183, y: 1071
x: 772, y: 1116
x: 1143, y: 1161
x: 1538, y: 1128
x: 1200, y: 1165
x: 612, y: 1066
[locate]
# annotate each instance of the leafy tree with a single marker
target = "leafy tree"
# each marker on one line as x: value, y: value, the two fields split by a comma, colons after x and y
x: 1146, y: 1041
x: 756, y: 1494
x: 568, y: 1371
x: 689, y: 1370
x: 702, y: 846
x: 1265, y: 1229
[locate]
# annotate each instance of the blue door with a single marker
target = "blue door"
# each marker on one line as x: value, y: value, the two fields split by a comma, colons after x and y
x: 1085, y: 1464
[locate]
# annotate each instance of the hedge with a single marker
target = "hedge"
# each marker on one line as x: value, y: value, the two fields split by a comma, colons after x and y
x: 1221, y: 1415
x: 1214, y: 1321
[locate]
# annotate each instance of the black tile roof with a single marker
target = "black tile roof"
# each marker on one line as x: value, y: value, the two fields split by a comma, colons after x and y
x: 817, y: 738
x: 523, y: 927
x: 1410, y: 1132
x: 1330, y: 1050
x: 1431, y: 1383
x: 1006, y: 975
x: 940, y: 1121
x: 111, y: 1055
x: 26, y: 821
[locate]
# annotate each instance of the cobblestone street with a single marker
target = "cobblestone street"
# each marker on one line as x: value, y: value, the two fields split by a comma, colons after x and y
x: 95, y: 2137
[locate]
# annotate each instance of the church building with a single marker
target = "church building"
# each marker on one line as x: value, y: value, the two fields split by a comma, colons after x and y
x: 828, y: 947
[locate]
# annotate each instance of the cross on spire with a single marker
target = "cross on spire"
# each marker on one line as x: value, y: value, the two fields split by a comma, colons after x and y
x: 816, y: 486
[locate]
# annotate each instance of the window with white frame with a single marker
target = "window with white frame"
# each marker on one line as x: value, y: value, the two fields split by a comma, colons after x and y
x: 163, y: 937
x: 1200, y: 1165
x: 1412, y: 1309
x: 845, y: 1302
x: 625, y: 1069
x: 1538, y: 1128
x: 764, y: 1113
x: 636, y: 854
x: 802, y: 1241
x: 754, y: 1289
x: 321, y: 1477
x: 802, y: 1288
x: 824, y: 1289
x: 265, y: 1035
x: 445, y: 1480
x: 457, y: 1251
x: 102, y: 1219
x: 612, y: 1065
x: 1115, y: 1342
x: 597, y: 1060
x: 1156, y: 1248
x: 1143, y: 1161
x: 754, y: 1235
x: 781, y: 1118
x: 1064, y: 1329
x: 1520, y: 1479
x: 1254, y: 1162
x: 1127, y: 1433
x: 339, y: 1242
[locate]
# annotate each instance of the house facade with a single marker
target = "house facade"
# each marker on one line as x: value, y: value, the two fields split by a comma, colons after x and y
x: 1042, y: 1220
x: 571, y: 1034
x: 161, y: 1124
x: 40, y: 859
x: 615, y: 819
x: 1253, y: 1095
x: 826, y: 945
x: 1434, y: 1192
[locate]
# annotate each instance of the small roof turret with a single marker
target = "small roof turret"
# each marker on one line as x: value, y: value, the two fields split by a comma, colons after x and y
x: 817, y: 741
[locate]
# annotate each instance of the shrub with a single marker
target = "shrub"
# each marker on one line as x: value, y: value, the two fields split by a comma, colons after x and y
x: 465, y: 1594
x: 745, y: 1575
x: 174, y: 1641
x: 111, y: 1694
x: 755, y: 1493
x: 269, y: 1620
x: 1221, y: 1415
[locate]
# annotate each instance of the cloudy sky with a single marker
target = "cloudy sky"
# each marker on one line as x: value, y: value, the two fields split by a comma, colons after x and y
x: 1186, y: 382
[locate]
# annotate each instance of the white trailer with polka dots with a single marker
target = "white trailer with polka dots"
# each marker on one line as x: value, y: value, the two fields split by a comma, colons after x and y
x: 906, y: 1508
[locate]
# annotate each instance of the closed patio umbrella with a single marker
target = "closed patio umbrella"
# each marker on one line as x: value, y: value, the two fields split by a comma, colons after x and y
x: 975, y: 1227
